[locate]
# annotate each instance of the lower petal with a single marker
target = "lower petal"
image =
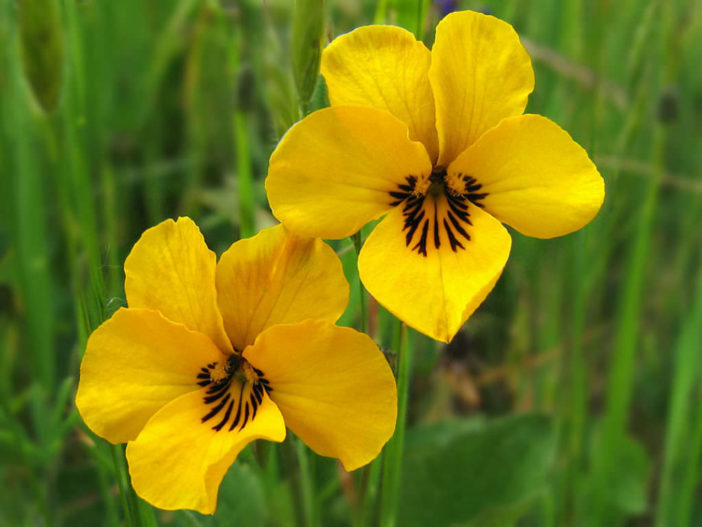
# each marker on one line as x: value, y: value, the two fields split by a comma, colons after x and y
x: 435, y: 274
x: 333, y: 386
x: 534, y: 176
x: 134, y: 364
x: 179, y: 459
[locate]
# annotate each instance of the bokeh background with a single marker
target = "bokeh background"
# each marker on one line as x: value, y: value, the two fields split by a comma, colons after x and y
x: 571, y: 398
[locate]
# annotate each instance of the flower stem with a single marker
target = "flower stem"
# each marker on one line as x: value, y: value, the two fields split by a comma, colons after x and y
x: 116, y: 452
x: 296, y: 461
x: 356, y: 238
x: 247, y: 213
x: 306, y: 483
x: 422, y: 7
x: 368, y: 492
x: 392, y: 466
x: 380, y: 12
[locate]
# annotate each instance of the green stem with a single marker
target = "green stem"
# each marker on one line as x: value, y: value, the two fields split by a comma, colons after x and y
x: 134, y: 502
x: 368, y: 492
x: 306, y: 484
x: 690, y: 476
x: 575, y: 411
x: 392, y: 466
x: 356, y: 238
x: 296, y: 463
x: 683, y: 433
x: 247, y: 220
x: 621, y: 374
x: 422, y: 6
x: 116, y: 452
x: 381, y: 9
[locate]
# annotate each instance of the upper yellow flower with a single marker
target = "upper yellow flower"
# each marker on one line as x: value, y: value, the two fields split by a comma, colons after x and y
x: 210, y: 356
x: 437, y: 141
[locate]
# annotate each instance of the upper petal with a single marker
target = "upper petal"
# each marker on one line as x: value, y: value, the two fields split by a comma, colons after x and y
x: 135, y: 363
x: 387, y: 68
x: 170, y: 269
x: 537, y: 179
x: 277, y: 278
x: 332, y: 171
x: 480, y: 73
x: 431, y: 264
x: 178, y: 461
x: 333, y: 385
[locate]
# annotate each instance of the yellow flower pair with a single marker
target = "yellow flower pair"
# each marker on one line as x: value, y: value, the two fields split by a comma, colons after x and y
x: 212, y: 355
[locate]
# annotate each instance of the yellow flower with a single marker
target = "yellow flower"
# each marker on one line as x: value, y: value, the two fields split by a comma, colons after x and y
x: 210, y: 356
x: 436, y: 141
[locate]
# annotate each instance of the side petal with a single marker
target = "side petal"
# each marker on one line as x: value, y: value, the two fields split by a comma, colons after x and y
x: 480, y: 73
x: 178, y: 461
x: 387, y: 68
x: 171, y: 270
x: 537, y: 179
x: 276, y: 277
x: 333, y: 171
x: 333, y: 386
x: 433, y: 277
x: 134, y: 364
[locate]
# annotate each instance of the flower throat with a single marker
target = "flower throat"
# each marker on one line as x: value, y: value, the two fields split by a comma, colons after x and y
x: 232, y: 383
x: 424, y: 225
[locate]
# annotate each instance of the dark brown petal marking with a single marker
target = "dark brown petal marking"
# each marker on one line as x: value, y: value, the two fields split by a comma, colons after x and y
x: 238, y: 410
x: 455, y: 221
x: 235, y: 408
x: 470, y: 190
x: 404, y: 190
x: 224, y: 420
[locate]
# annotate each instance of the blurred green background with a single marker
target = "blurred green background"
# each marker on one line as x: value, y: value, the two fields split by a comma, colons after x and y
x: 571, y: 398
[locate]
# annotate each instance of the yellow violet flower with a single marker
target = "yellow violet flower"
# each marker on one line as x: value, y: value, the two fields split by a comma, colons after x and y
x: 435, y: 141
x: 212, y: 355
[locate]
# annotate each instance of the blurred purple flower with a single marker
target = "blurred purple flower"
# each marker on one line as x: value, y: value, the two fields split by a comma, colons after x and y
x: 445, y: 6
x: 448, y: 6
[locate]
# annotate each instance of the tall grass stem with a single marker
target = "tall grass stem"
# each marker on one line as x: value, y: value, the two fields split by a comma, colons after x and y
x: 392, y: 459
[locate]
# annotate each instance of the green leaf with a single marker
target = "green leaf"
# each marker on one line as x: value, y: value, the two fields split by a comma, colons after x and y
x: 628, y: 491
x: 466, y: 471
x: 307, y: 43
x: 241, y: 498
x: 505, y: 516
x: 241, y: 501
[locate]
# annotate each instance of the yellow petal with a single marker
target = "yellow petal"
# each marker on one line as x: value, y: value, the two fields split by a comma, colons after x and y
x: 178, y: 461
x: 135, y: 363
x: 480, y: 73
x: 278, y: 278
x: 171, y: 270
x: 332, y: 171
x: 333, y: 386
x: 423, y: 269
x: 537, y: 179
x: 387, y: 68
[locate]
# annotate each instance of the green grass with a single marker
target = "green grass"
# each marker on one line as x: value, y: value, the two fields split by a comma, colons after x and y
x: 116, y: 115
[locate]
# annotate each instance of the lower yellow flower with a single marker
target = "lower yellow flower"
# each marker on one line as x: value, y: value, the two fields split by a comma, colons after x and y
x: 436, y: 141
x: 211, y: 356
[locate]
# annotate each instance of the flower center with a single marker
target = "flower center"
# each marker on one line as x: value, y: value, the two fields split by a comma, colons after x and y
x: 437, y: 208
x: 234, y: 392
x: 436, y: 184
